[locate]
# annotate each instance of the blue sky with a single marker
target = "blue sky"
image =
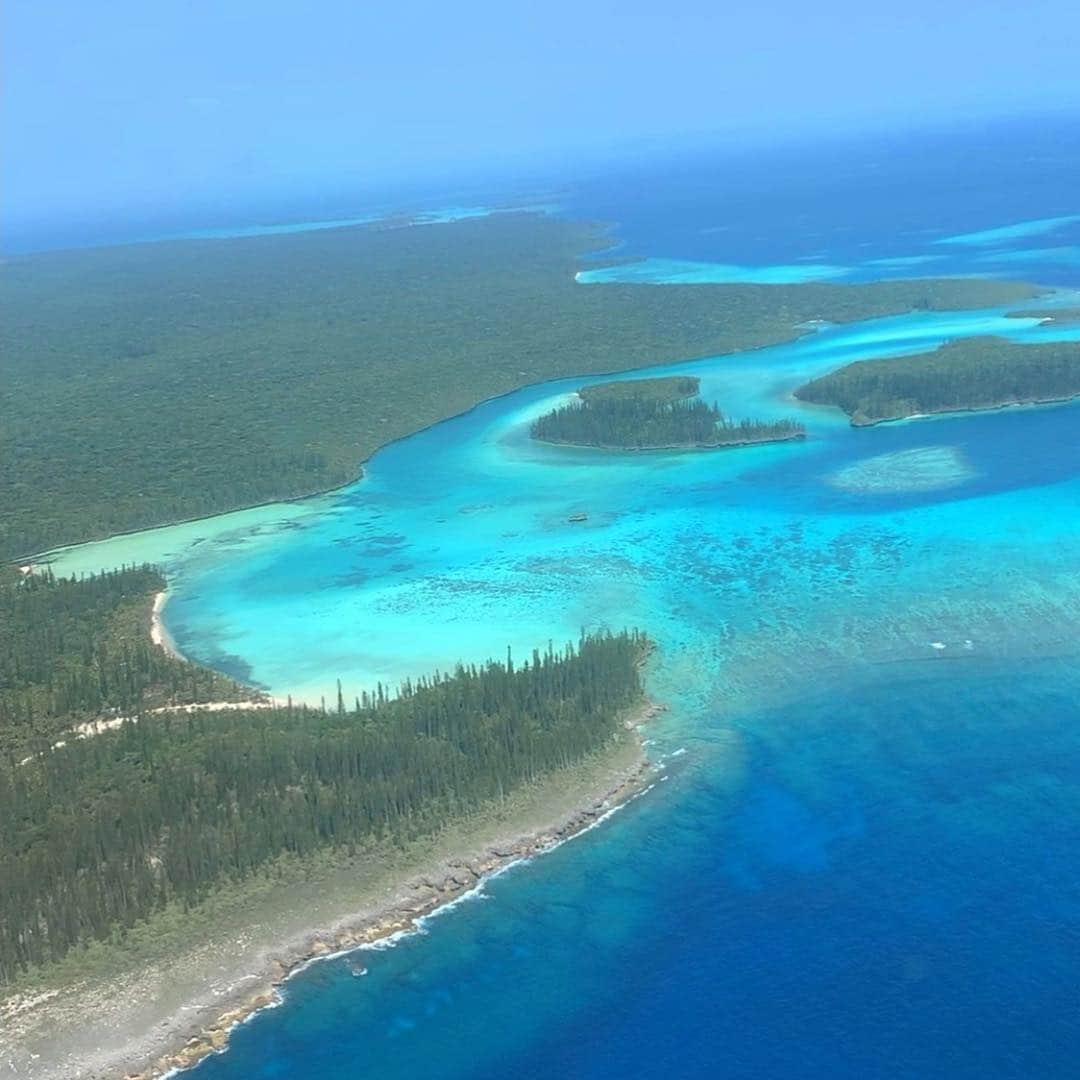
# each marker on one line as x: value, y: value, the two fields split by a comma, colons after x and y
x: 140, y: 106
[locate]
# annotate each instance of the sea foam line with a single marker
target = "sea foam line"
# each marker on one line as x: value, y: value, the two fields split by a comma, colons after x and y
x: 418, y: 928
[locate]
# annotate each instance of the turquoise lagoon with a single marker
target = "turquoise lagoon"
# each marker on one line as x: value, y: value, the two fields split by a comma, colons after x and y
x: 457, y: 541
x: 860, y: 856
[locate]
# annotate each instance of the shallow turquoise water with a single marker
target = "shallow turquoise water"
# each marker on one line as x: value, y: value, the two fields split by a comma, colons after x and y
x: 860, y: 855
x: 457, y: 541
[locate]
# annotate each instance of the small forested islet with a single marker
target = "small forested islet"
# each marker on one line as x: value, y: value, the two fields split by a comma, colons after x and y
x: 653, y: 414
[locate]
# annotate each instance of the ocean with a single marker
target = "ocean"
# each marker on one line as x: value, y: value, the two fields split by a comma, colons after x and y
x: 860, y: 852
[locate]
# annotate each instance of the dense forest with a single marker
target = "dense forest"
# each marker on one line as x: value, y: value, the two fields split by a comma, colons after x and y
x: 103, y: 831
x: 641, y: 422
x: 664, y: 388
x: 975, y: 373
x: 152, y: 382
x: 75, y: 650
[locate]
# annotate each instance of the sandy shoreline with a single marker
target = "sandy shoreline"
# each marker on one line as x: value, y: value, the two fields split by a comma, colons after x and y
x: 159, y: 635
x: 66, y: 1032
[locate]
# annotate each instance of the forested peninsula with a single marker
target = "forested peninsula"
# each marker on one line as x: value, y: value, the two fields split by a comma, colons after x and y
x: 653, y: 414
x: 148, y: 804
x: 157, y: 382
x: 100, y: 833
x: 975, y: 373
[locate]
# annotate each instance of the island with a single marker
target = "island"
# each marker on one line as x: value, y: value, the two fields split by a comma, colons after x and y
x: 960, y: 376
x: 1062, y: 315
x: 653, y: 414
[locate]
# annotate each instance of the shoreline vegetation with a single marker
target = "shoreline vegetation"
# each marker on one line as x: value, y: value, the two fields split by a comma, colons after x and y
x: 664, y: 388
x: 165, y: 1004
x: 79, y: 654
x: 99, y: 834
x: 653, y: 414
x: 198, y: 817
x: 1062, y: 315
x: 330, y: 322
x: 970, y: 375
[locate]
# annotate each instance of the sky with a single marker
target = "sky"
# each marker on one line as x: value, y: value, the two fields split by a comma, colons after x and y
x: 145, y: 107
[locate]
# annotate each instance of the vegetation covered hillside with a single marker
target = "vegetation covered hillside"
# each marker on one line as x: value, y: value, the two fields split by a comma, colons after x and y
x: 975, y: 373
x: 102, y: 832
x: 154, y: 382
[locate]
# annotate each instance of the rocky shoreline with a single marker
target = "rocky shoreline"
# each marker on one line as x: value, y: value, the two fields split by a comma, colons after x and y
x: 428, y: 895
x: 165, y: 1013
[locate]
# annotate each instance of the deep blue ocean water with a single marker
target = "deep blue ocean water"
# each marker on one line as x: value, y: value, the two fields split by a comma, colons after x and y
x: 860, y: 857
x: 858, y: 210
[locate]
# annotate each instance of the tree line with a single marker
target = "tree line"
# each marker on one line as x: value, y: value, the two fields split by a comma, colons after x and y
x: 974, y: 373
x: 644, y: 422
x: 71, y: 650
x: 100, y: 833
x: 661, y: 388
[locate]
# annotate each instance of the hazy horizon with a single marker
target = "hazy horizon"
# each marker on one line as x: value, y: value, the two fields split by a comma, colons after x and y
x: 142, y: 113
